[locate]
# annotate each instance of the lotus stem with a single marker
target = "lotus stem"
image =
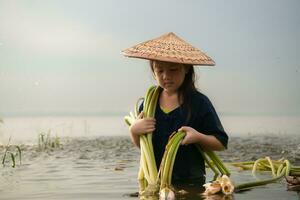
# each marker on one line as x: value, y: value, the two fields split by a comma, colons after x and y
x: 166, y: 169
x: 271, y: 166
x: 207, y: 161
x: 249, y: 185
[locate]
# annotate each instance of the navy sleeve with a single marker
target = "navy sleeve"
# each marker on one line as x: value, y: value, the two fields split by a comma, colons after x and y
x: 212, y: 125
x: 141, y: 107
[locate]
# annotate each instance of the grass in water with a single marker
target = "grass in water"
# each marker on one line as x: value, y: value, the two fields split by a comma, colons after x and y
x: 46, y: 141
x: 12, y: 153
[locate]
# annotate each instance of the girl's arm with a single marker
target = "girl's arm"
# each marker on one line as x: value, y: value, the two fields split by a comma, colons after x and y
x: 207, y: 142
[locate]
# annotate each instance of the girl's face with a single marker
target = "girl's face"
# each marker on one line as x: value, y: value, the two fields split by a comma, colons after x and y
x: 169, y: 76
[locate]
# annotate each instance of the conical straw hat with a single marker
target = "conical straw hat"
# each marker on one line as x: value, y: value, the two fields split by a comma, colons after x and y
x: 170, y: 48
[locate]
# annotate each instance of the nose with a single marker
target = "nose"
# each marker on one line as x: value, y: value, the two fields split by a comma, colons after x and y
x: 165, y: 75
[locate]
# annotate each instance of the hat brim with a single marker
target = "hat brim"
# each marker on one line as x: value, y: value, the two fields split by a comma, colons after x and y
x: 169, y: 48
x: 169, y: 59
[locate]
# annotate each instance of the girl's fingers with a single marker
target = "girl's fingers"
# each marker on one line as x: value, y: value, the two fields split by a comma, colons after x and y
x: 149, y: 130
x: 184, y: 128
x: 149, y: 119
x: 141, y: 115
x: 150, y: 122
x: 150, y: 126
x: 183, y: 142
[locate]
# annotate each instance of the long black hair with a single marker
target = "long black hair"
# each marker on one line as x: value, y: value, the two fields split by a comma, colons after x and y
x: 186, y: 90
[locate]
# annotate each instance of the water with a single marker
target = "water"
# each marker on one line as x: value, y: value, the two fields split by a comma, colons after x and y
x: 94, y: 168
x: 96, y: 159
x: 24, y: 129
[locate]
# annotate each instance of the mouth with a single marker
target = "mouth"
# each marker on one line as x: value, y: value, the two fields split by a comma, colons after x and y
x: 168, y: 83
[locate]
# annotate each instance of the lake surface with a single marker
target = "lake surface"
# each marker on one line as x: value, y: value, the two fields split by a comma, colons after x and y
x: 26, y: 129
x: 96, y: 160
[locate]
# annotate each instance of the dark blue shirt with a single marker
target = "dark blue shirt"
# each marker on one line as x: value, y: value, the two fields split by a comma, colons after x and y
x: 189, y: 163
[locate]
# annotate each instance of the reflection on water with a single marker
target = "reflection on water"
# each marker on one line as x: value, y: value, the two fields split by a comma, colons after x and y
x: 219, y: 197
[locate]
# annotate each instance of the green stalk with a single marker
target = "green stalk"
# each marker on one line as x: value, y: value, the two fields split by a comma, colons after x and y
x: 249, y: 185
x: 147, y: 101
x: 148, y: 160
x: 147, y: 149
x: 279, y: 170
x: 206, y: 159
x: 255, y: 165
x: 128, y: 120
x: 271, y: 166
x: 162, y: 168
x: 13, y: 159
x: 6, y: 150
x: 217, y: 161
x: 20, y: 154
x: 242, y: 163
x: 4, y: 156
x: 141, y: 175
x: 144, y: 164
x: 151, y: 113
x: 288, y: 167
x: 173, y: 155
x: 170, y: 158
x: 163, y: 160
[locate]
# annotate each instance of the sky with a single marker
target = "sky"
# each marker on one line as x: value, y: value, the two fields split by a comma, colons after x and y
x: 64, y: 56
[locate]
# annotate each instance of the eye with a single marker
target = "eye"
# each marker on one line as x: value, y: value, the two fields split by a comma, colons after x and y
x: 159, y: 71
x: 174, y: 69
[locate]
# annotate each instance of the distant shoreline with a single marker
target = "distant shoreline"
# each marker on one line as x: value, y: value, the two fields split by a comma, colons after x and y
x: 123, y: 113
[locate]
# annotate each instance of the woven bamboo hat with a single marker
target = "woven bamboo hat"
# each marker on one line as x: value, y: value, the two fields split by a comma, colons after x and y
x: 170, y: 48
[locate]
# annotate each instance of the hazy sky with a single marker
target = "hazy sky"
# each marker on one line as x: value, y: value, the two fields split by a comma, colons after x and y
x: 63, y: 56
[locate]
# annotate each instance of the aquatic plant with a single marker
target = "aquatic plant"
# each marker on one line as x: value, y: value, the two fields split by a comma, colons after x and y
x: 221, y: 184
x: 211, y: 159
x: 148, y: 175
x: 167, y: 163
x: 14, y: 151
x: 46, y: 141
x: 278, y: 168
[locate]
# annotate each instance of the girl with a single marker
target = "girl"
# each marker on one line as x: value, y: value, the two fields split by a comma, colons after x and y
x: 180, y: 107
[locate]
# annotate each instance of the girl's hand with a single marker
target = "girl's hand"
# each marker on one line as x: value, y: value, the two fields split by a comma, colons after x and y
x: 142, y: 125
x: 192, y: 136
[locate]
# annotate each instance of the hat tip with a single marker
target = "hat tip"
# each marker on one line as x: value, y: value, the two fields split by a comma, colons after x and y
x: 171, y: 33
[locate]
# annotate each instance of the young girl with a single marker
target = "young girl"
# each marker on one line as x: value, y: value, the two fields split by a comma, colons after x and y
x: 181, y: 107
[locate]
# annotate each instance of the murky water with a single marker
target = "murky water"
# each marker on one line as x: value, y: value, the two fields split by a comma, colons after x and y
x: 96, y: 160
x: 106, y: 168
